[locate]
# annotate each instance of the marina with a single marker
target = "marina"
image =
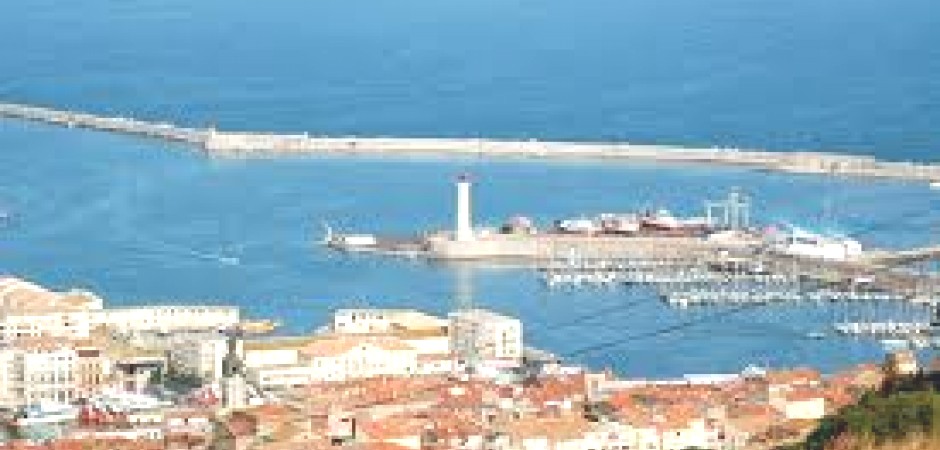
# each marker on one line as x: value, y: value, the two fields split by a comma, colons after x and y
x: 145, y: 219
x: 721, y: 257
x: 884, y: 329
x: 475, y: 224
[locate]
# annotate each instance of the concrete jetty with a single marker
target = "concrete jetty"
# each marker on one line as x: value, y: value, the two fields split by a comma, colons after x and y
x: 124, y: 125
x: 259, y: 144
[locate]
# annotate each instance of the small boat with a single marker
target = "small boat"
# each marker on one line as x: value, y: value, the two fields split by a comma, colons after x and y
x: 935, y: 185
x: 816, y: 335
x: 229, y: 260
x: 349, y: 242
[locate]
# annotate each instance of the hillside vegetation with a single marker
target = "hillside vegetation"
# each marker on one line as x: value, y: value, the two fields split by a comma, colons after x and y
x: 904, y: 414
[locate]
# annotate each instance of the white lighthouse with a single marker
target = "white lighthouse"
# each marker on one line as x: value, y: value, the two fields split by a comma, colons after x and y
x: 464, y: 231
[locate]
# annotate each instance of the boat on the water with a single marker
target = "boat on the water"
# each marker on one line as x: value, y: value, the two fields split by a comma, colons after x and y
x: 801, y: 243
x: 935, y: 185
x: 816, y: 335
x: 348, y: 242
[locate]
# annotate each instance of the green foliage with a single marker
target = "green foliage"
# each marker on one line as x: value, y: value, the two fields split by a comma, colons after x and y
x: 904, y: 407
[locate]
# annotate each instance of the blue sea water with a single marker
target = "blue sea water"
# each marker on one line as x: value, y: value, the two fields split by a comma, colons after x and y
x: 143, y: 221
x: 857, y: 75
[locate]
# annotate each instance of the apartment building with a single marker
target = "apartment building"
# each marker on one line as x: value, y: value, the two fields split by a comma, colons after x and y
x: 486, y: 334
x: 38, y: 370
x: 94, y: 371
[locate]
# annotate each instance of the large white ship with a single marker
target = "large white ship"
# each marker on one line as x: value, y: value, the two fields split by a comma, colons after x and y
x: 802, y: 243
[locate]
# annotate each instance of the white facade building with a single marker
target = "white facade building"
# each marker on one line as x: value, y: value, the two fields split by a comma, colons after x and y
x: 337, y: 358
x: 48, y: 374
x: 570, y: 434
x: 47, y: 371
x: 275, y: 351
x: 486, y: 334
x: 200, y: 357
x: 28, y: 311
x: 166, y: 318
x: 799, y: 404
x: 371, y: 321
x: 11, y: 378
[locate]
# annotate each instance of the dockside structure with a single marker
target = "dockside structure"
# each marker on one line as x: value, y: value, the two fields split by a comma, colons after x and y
x: 253, y: 144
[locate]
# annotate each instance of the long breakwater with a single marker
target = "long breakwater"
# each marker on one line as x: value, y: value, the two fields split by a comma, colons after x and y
x: 251, y: 144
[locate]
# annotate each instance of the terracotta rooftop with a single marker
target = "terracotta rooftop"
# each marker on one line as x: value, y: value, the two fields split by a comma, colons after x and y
x: 383, y: 446
x: 394, y: 427
x: 561, y: 428
x: 801, y: 375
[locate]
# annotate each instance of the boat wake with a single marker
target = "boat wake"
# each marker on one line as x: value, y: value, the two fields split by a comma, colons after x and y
x: 168, y: 249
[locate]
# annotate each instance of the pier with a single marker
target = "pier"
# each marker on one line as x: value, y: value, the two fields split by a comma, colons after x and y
x: 759, y: 277
x: 122, y: 125
x: 260, y: 144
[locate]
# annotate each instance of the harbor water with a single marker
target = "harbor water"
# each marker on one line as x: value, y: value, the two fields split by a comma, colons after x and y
x: 142, y: 221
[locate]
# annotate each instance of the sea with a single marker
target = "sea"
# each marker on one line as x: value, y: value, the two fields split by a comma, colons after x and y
x: 141, y: 221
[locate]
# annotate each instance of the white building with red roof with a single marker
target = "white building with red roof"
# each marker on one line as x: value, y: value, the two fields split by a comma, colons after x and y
x: 340, y: 358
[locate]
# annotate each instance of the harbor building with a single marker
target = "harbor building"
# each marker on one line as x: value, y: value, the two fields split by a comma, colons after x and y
x: 166, y: 318
x: 485, y: 335
x: 648, y: 234
x: 370, y: 321
x: 428, y: 334
x: 28, y: 311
